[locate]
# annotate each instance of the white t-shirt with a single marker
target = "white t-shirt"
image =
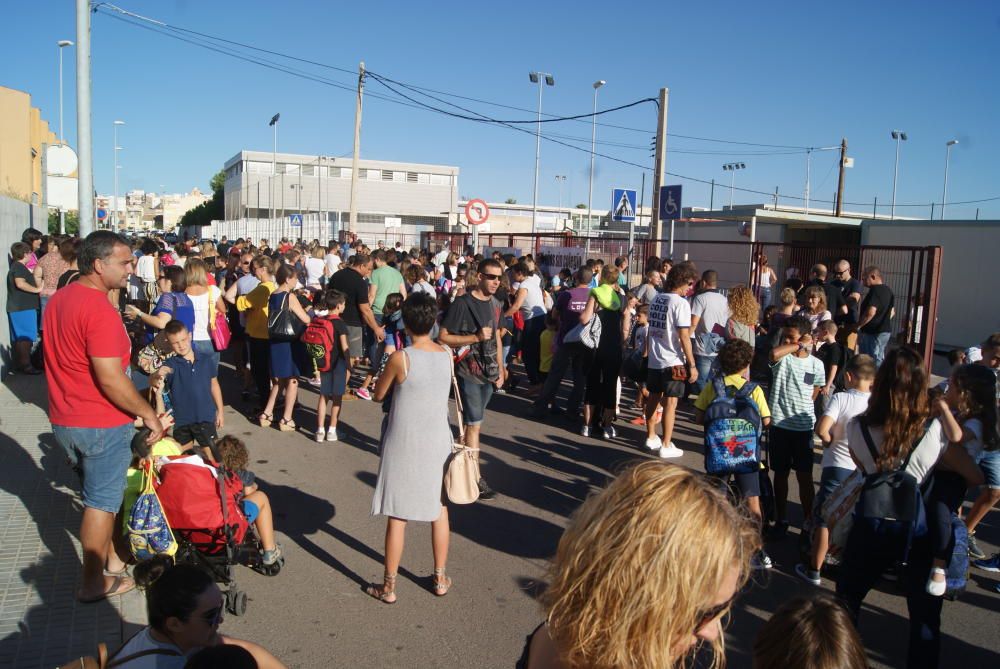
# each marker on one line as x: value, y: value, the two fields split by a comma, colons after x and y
x: 534, y: 301
x: 143, y: 641
x: 314, y: 270
x: 200, y: 303
x: 667, y: 313
x: 842, y: 408
x: 144, y: 268
x: 332, y: 261
x: 926, y: 455
x: 712, y: 308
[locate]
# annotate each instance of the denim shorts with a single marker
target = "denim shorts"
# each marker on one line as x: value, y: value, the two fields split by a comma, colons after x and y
x: 475, y: 397
x: 101, y: 456
x: 990, y: 464
x: 829, y: 480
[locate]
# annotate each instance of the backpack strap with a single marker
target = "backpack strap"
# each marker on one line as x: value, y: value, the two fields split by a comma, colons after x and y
x: 719, y: 385
x: 142, y: 653
x: 746, y: 390
x: 867, y: 435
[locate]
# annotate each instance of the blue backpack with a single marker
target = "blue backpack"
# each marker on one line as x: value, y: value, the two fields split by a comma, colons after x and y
x: 732, y: 431
x: 957, y: 574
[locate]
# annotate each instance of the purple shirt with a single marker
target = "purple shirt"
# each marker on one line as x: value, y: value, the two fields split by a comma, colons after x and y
x: 569, y: 305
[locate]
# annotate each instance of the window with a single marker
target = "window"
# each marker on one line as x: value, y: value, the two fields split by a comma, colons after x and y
x: 254, y: 167
x: 309, y: 170
x: 423, y: 178
x: 411, y: 177
x: 386, y: 175
x: 345, y: 172
x: 288, y: 168
x: 440, y: 179
x: 374, y: 175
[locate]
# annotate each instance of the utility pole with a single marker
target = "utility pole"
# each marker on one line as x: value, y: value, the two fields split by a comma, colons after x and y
x: 660, y: 165
x: 840, y: 181
x: 353, y: 223
x: 85, y: 183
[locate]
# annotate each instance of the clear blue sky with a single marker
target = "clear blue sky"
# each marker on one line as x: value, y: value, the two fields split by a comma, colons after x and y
x: 786, y: 73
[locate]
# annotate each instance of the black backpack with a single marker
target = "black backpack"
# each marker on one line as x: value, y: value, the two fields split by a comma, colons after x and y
x: 892, y: 495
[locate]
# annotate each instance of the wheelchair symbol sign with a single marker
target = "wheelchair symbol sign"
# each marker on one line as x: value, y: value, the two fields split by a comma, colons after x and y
x: 670, y: 202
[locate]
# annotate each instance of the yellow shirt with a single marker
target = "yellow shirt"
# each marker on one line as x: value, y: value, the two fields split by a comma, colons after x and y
x: 545, y: 354
x: 735, y: 381
x: 255, y: 304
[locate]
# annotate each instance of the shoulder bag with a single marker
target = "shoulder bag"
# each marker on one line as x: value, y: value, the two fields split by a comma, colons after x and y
x: 283, y: 325
x: 461, y: 475
x: 218, y: 326
x: 588, y: 334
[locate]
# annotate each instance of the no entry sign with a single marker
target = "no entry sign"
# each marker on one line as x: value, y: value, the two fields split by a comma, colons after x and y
x: 476, y: 212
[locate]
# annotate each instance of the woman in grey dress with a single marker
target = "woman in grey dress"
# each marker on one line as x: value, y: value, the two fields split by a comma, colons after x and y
x: 415, y: 445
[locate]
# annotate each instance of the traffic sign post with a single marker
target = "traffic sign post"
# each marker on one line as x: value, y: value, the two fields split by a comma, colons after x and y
x: 477, y: 212
x: 670, y: 208
x: 623, y: 205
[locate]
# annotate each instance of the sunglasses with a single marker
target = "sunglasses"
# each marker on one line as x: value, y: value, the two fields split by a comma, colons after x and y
x: 708, y: 615
x: 491, y: 277
x: 839, y: 273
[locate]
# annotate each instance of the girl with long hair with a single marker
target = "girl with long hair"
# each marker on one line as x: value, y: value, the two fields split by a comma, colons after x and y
x: 909, y: 434
x: 645, y: 574
x: 815, y: 309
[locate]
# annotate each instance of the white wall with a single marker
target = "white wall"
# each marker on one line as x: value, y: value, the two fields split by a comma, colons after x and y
x: 969, y: 297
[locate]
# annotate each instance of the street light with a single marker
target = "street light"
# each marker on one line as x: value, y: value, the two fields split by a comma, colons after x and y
x: 947, y: 158
x: 274, y: 159
x: 536, y: 78
x: 899, y: 136
x: 61, y: 43
x: 561, y: 179
x: 114, y: 217
x: 732, y: 167
x: 593, y: 143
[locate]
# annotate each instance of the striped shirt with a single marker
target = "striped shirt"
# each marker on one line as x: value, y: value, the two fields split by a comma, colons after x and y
x: 791, y: 392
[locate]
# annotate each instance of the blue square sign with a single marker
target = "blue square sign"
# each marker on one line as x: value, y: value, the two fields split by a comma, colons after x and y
x: 295, y: 220
x: 623, y: 205
x: 670, y: 202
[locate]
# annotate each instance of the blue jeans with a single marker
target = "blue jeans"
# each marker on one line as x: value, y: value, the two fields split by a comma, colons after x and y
x: 873, y: 345
x: 704, y: 363
x: 205, y: 349
x: 100, y: 455
x: 764, y: 295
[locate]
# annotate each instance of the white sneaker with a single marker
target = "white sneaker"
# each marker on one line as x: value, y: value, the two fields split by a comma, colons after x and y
x: 331, y: 434
x: 937, y: 588
x: 671, y: 451
x: 654, y: 444
x: 320, y: 434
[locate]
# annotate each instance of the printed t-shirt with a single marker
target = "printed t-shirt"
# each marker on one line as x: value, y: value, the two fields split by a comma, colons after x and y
x: 386, y: 281
x: 569, y: 305
x: 843, y: 407
x: 350, y: 282
x: 468, y: 315
x: 81, y: 324
x: 735, y: 381
x: 667, y: 313
x: 791, y: 391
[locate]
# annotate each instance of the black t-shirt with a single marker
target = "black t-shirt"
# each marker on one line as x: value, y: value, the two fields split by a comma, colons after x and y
x: 352, y: 284
x: 339, y: 328
x: 67, y: 277
x: 880, y: 297
x: 468, y: 315
x: 852, y: 285
x: 17, y: 299
x: 834, y: 354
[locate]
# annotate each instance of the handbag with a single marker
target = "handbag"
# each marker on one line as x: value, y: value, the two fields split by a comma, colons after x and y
x: 588, y: 334
x: 461, y: 474
x: 218, y: 327
x: 283, y: 325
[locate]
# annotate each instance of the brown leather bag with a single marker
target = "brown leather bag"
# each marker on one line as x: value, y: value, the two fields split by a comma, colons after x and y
x: 99, y: 662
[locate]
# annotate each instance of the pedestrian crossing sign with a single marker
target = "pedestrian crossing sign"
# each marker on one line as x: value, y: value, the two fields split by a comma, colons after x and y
x: 295, y: 220
x: 623, y: 205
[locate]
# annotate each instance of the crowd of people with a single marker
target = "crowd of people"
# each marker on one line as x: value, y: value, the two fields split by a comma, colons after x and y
x: 131, y: 333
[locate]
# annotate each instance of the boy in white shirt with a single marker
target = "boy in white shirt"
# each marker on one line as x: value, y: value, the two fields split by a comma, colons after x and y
x: 837, y: 462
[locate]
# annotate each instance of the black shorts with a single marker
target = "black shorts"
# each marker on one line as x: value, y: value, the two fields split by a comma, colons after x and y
x: 659, y: 382
x: 791, y: 450
x: 201, y: 433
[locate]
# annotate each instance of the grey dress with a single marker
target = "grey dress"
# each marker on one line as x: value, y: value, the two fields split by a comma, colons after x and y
x: 417, y: 440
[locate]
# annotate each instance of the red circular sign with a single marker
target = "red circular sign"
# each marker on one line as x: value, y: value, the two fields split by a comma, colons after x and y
x: 477, y: 212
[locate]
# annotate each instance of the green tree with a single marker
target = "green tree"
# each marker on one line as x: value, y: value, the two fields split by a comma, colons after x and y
x: 72, y: 223
x: 510, y: 200
x: 210, y: 210
x: 581, y: 206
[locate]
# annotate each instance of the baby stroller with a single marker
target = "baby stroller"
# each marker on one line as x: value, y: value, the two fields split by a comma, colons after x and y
x: 202, y: 504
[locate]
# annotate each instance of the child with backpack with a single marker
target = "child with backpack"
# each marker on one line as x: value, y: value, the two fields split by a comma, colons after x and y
x: 392, y: 323
x: 326, y: 340
x: 734, y: 412
x: 837, y: 462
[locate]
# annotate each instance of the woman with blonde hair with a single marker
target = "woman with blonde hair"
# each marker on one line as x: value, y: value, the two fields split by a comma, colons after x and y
x: 815, y: 309
x: 316, y: 270
x: 207, y: 301
x: 644, y: 574
x: 743, y: 310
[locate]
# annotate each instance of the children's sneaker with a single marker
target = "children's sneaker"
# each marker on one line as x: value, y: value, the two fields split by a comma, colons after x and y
x: 808, y: 575
x: 761, y: 560
x: 585, y: 431
x: 670, y: 451
x: 270, y: 557
x: 331, y: 434
x: 974, y: 550
x: 320, y: 434
x: 992, y: 564
x: 654, y: 444
x: 363, y: 393
x: 609, y: 432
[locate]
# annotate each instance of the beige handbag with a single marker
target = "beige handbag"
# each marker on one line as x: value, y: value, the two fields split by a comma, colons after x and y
x: 461, y: 475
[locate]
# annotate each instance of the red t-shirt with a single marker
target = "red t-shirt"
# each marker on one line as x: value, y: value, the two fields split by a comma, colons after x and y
x: 80, y: 324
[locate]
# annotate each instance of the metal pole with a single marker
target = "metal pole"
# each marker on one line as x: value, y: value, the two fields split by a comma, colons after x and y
x: 593, y: 147
x: 808, y: 175
x: 631, y: 226
x: 353, y: 222
x: 895, y: 175
x: 661, y: 162
x: 947, y: 158
x: 319, y: 196
x: 85, y: 184
x: 732, y: 185
x: 114, y: 213
x: 538, y: 157
x: 711, y: 198
x: 274, y: 168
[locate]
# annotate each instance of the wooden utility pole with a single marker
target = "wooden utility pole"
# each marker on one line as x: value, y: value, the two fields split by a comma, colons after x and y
x: 353, y: 223
x: 660, y: 166
x: 840, y: 181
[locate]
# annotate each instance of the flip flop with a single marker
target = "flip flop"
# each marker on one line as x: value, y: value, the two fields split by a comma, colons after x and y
x: 116, y: 589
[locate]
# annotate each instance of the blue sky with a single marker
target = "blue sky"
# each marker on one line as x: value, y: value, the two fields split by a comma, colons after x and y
x: 784, y: 73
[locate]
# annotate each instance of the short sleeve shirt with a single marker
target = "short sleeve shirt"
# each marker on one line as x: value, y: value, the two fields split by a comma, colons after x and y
x: 350, y: 282
x: 843, y: 407
x: 386, y: 281
x: 928, y: 449
x: 80, y: 323
x: 712, y: 309
x: 668, y: 312
x: 467, y: 315
x: 734, y: 382
x: 17, y: 299
x: 190, y: 385
x: 881, y: 298
x: 569, y: 305
x: 791, y: 391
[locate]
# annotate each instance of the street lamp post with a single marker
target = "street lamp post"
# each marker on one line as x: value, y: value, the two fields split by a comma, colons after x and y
x: 947, y: 159
x: 593, y: 144
x: 560, y: 179
x: 536, y: 78
x: 899, y: 136
x: 732, y: 167
x: 274, y: 159
x: 114, y: 216
x: 61, y: 43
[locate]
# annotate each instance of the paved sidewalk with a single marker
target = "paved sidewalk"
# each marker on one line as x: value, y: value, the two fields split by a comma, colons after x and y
x: 41, y: 625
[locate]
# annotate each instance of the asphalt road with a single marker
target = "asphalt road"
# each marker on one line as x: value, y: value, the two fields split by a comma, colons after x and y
x: 314, y: 613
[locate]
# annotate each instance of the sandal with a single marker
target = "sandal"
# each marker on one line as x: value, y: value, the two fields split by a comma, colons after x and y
x: 286, y: 425
x: 385, y: 591
x: 441, y: 583
x: 265, y: 419
x: 119, y: 586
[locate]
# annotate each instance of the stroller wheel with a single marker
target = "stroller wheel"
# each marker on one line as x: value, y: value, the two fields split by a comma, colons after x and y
x: 239, y: 603
x: 274, y: 569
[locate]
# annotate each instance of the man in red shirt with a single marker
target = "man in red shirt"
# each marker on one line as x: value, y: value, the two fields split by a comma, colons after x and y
x: 92, y: 401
